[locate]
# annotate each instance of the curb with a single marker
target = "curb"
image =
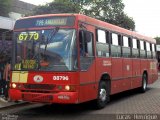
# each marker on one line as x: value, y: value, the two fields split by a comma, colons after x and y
x: 10, y: 104
x: 3, y: 100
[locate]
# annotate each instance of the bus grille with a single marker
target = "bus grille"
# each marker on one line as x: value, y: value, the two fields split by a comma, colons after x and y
x: 39, y: 86
x: 37, y: 98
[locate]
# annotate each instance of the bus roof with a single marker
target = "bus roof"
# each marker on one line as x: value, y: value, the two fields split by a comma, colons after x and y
x: 101, y: 24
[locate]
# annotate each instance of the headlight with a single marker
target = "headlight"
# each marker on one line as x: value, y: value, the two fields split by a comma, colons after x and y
x: 14, y: 85
x: 70, y: 88
x: 67, y: 87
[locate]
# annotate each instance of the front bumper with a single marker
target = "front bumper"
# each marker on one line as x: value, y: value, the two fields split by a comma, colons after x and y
x: 57, y: 97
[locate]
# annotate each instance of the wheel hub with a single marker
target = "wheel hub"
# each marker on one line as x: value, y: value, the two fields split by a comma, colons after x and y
x: 103, y: 94
x: 144, y: 84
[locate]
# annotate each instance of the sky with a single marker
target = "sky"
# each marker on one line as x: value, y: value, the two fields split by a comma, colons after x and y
x: 145, y: 13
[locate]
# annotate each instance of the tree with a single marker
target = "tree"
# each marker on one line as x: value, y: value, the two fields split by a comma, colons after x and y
x: 58, y: 6
x: 157, y: 38
x: 110, y: 11
x: 124, y: 21
x: 4, y: 8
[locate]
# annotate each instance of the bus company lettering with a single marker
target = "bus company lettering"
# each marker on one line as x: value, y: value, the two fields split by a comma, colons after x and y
x: 153, y: 65
x: 107, y: 63
x: 65, y: 78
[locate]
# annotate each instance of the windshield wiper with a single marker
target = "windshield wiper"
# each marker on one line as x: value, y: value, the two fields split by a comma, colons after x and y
x: 50, y: 35
x: 49, y: 38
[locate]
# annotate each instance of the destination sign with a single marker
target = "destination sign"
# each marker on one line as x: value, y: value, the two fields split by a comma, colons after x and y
x: 45, y: 22
x: 51, y: 22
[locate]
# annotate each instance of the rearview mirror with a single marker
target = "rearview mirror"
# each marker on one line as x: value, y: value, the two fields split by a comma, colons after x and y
x: 85, y: 36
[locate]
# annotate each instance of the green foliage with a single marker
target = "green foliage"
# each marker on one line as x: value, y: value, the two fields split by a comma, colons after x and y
x: 4, y: 7
x: 157, y: 38
x: 110, y: 11
x: 106, y: 10
x: 59, y: 6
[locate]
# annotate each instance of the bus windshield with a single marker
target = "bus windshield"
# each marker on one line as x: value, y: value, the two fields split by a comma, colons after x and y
x: 52, y: 50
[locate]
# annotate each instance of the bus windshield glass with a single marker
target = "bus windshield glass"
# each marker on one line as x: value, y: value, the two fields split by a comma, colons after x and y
x: 46, y: 50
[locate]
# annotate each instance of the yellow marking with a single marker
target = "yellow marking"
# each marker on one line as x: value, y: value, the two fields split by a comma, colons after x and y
x: 28, y: 36
x: 15, y: 76
x: 19, y: 76
x: 23, y: 77
x: 18, y: 66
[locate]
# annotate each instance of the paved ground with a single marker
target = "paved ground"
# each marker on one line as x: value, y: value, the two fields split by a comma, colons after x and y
x: 134, y: 102
x: 128, y: 104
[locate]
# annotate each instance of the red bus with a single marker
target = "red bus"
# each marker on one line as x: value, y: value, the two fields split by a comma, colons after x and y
x: 73, y: 58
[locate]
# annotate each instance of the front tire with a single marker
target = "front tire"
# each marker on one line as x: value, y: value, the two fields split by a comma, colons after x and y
x: 103, y: 95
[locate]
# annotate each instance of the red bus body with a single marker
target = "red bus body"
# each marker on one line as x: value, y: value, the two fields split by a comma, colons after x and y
x: 72, y: 87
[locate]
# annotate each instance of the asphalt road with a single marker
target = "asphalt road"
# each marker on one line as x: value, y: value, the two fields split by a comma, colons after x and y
x: 130, y: 105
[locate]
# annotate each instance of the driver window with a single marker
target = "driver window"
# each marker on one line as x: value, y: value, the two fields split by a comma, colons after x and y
x: 86, y: 43
x: 86, y: 49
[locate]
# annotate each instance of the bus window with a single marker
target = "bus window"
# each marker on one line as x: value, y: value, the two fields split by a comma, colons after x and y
x: 86, y: 49
x: 148, y: 48
x: 153, y: 51
x: 125, y: 41
x: 101, y: 36
x: 135, y: 43
x: 115, y: 47
x: 101, y: 45
x: 135, y: 50
x: 142, y: 45
x: 86, y: 43
x: 126, y: 51
x: 142, y: 49
x: 114, y: 39
x: 153, y: 48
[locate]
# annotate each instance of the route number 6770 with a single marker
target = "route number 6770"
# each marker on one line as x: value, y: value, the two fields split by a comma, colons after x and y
x: 60, y: 78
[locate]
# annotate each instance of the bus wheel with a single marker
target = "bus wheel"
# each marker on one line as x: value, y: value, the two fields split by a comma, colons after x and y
x: 103, y: 95
x: 144, y: 83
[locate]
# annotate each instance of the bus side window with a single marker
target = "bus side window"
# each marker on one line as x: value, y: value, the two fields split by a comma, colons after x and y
x: 148, y: 49
x: 135, y: 48
x: 86, y: 43
x: 102, y: 44
x: 115, y: 45
x: 142, y: 49
x: 153, y: 51
x: 126, y: 51
x: 86, y: 49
